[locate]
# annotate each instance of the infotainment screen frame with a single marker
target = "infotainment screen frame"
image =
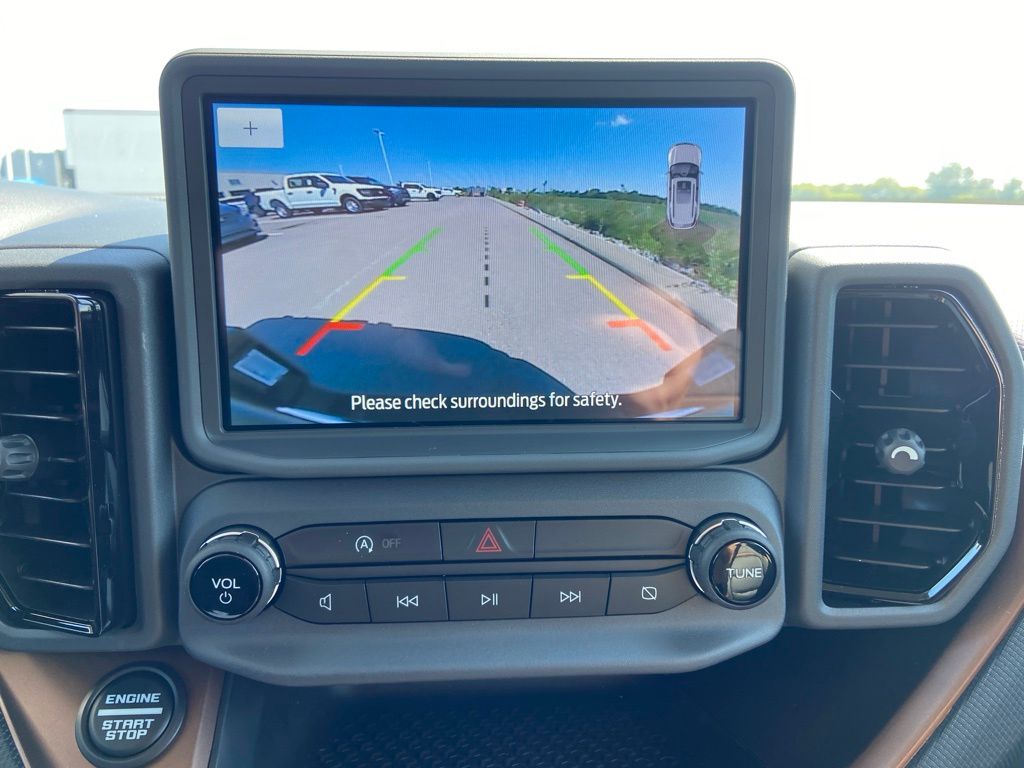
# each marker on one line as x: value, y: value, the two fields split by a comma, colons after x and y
x: 191, y: 82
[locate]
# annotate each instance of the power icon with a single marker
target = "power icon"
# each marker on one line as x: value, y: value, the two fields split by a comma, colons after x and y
x: 226, y: 586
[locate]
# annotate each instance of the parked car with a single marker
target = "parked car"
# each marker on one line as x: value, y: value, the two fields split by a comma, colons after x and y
x: 323, y: 192
x: 447, y: 192
x: 237, y: 225
x: 419, y: 191
x: 683, y: 186
x: 399, y: 196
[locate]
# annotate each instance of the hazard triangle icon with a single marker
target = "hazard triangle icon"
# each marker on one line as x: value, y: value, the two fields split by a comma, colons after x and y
x: 488, y: 543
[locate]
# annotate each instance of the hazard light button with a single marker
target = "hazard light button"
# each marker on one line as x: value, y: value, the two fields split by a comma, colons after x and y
x: 489, y: 540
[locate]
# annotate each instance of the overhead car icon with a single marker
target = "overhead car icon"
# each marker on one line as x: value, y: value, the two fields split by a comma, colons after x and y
x: 683, y: 186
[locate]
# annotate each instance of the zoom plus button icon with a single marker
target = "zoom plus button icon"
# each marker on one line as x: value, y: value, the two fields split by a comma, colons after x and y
x: 364, y: 544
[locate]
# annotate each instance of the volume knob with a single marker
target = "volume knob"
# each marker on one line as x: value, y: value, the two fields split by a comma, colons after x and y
x: 236, y: 573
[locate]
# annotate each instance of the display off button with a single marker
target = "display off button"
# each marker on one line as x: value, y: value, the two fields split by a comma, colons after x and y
x: 372, y: 543
x: 634, y: 593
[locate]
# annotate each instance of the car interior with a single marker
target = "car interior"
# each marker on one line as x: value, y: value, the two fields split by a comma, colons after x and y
x: 464, y: 411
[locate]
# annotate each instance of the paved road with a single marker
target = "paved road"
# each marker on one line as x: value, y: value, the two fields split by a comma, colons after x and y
x: 467, y: 266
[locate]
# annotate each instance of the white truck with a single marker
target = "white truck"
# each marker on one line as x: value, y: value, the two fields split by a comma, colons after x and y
x: 419, y: 191
x: 322, y: 192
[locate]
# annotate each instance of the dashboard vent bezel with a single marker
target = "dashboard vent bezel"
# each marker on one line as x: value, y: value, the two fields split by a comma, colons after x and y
x: 909, y: 550
x: 65, y: 554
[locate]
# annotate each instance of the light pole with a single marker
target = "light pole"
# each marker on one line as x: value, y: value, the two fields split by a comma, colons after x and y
x: 430, y: 173
x: 380, y: 138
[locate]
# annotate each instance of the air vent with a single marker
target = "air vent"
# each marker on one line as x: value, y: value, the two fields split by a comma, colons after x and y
x: 63, y: 531
x: 909, y: 368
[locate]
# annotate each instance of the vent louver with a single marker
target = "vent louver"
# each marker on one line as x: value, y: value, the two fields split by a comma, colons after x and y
x: 907, y: 360
x: 63, y: 531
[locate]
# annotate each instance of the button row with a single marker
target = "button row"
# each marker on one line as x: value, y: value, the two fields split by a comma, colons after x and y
x: 379, y: 543
x: 481, y: 598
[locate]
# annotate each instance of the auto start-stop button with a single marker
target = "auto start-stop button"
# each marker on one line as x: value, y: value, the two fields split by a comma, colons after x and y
x: 130, y: 717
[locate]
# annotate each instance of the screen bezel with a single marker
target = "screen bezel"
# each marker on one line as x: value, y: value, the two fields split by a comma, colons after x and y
x: 192, y: 80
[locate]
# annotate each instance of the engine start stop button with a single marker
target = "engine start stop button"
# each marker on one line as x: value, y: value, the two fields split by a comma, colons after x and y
x: 130, y: 717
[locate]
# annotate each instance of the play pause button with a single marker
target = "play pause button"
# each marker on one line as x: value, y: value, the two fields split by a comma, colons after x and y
x: 488, y: 598
x: 555, y: 596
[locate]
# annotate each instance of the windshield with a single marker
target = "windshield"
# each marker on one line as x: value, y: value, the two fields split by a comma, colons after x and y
x: 884, y: 116
x: 338, y: 179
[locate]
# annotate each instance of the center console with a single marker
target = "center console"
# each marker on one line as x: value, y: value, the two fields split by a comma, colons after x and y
x: 500, y: 569
x: 542, y: 574
x: 483, y: 349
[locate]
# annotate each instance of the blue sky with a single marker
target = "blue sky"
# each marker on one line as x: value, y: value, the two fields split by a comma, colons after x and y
x: 520, y: 147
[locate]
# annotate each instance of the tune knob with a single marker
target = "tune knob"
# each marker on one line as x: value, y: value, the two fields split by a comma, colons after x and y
x: 235, y: 574
x: 731, y: 562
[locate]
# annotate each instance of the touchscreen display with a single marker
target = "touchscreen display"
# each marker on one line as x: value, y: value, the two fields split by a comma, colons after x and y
x: 412, y: 264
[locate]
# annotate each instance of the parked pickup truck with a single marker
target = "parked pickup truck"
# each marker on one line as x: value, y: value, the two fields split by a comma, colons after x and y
x: 419, y: 191
x: 322, y: 192
x: 399, y: 195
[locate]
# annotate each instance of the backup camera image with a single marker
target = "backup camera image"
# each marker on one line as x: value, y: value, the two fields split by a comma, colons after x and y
x: 429, y: 264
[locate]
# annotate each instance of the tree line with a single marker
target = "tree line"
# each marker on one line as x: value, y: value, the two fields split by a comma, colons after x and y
x: 628, y: 196
x: 953, y: 183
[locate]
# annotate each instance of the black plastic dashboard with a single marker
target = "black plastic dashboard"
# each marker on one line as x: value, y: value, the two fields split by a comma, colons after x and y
x: 339, y: 532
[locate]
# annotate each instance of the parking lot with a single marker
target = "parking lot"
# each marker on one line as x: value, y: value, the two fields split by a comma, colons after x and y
x: 470, y: 266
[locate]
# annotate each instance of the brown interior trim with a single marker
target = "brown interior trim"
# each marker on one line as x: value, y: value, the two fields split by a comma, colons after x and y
x: 10, y: 727
x: 990, y: 619
x: 41, y: 694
